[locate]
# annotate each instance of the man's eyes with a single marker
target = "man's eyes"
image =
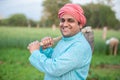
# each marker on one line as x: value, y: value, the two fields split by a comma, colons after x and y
x: 62, y: 20
x: 68, y: 20
x: 71, y: 20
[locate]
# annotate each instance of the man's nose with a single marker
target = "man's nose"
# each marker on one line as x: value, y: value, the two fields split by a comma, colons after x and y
x: 65, y: 24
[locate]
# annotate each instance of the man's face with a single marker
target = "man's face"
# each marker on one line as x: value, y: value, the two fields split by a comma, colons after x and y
x: 69, y: 26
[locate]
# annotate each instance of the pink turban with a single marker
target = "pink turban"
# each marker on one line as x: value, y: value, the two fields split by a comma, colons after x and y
x: 74, y: 10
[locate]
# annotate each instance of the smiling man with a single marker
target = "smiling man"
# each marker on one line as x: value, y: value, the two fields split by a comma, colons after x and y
x: 71, y: 57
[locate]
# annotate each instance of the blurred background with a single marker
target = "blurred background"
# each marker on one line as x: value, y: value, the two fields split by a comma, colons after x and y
x: 24, y: 21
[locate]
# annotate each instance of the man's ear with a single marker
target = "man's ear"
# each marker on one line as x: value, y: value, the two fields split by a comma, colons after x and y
x: 80, y: 26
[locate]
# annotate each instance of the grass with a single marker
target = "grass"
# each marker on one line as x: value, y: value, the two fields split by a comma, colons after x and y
x: 104, y: 67
x: 14, y: 64
x: 20, y: 37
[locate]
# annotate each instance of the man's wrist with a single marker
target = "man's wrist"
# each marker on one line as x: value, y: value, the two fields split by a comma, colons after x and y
x: 33, y: 51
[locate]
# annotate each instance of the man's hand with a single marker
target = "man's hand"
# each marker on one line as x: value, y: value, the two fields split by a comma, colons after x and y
x: 35, y: 45
x: 47, y: 42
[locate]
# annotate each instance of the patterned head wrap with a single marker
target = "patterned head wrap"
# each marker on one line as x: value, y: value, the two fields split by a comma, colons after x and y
x: 74, y: 10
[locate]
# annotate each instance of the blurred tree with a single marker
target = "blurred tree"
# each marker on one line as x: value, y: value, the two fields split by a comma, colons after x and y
x: 51, y: 8
x: 4, y: 22
x: 18, y: 20
x: 106, y: 2
x: 31, y: 23
x: 99, y: 15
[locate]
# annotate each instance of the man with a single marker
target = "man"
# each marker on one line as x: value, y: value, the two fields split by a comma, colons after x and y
x: 113, y: 45
x: 70, y: 59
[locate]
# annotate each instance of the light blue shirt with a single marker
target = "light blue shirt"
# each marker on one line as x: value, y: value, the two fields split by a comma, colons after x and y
x: 69, y: 60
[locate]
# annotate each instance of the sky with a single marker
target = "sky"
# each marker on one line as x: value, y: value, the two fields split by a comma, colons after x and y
x: 33, y: 8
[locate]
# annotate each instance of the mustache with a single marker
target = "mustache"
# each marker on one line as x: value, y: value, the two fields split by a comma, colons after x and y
x: 69, y: 27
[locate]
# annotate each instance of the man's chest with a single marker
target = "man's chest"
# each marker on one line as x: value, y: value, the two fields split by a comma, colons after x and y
x: 61, y: 49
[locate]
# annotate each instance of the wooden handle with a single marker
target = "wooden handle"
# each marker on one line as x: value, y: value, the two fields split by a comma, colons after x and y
x: 54, y: 39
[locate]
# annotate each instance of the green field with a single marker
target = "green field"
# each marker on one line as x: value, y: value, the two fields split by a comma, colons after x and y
x: 14, y: 64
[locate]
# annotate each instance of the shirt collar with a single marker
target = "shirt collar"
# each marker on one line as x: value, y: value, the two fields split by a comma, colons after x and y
x: 72, y: 37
